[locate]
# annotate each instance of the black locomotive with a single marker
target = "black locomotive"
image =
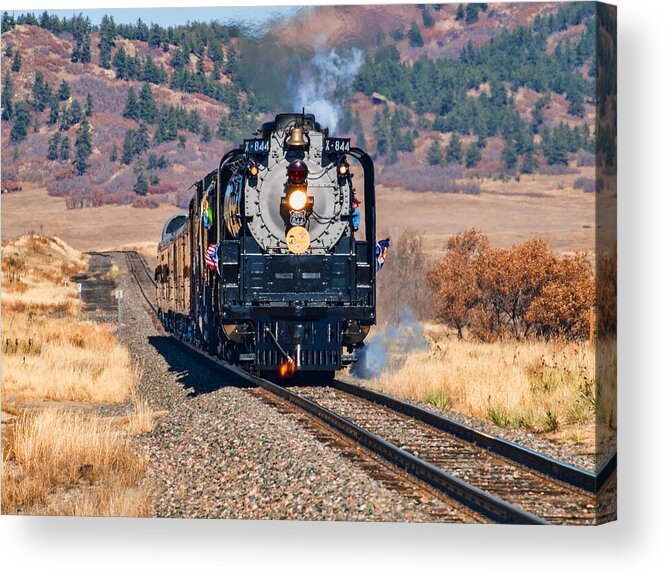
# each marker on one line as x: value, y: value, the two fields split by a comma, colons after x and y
x: 273, y: 268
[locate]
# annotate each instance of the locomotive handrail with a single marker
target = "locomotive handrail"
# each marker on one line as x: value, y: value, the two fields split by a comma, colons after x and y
x: 370, y: 214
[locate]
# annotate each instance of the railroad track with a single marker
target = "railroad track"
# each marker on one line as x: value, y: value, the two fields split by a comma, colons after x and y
x: 497, y: 479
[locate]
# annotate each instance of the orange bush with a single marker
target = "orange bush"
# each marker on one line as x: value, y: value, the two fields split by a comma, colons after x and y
x: 522, y: 291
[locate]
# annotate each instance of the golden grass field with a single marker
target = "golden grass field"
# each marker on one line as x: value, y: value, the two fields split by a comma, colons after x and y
x: 547, y: 387
x: 59, y: 456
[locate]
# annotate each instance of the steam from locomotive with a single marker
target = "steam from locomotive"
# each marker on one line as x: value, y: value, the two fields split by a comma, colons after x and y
x: 267, y: 269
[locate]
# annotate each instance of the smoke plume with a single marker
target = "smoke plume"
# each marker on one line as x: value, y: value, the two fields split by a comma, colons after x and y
x: 389, y: 348
x: 323, y: 80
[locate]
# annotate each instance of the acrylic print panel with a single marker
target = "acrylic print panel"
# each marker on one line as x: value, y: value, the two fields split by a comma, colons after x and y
x: 354, y: 263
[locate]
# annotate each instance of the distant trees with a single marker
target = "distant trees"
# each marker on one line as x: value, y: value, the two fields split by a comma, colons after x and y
x: 454, y: 149
x: 473, y: 155
x: 83, y: 147
x: 132, y: 106
x: 22, y: 120
x: 64, y: 148
x: 414, y: 35
x: 81, y: 33
x: 16, y: 62
x: 89, y: 105
x: 64, y: 91
x: 434, y: 155
x: 41, y: 92
x: 7, y: 97
x: 147, y: 108
x: 53, y: 147
x: 107, y: 34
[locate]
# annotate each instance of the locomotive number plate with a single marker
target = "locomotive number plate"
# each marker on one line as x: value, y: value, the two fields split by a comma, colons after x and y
x: 257, y: 146
x: 337, y: 145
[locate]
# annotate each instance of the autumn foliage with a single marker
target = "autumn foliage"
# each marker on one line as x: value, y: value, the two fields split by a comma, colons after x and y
x: 518, y: 292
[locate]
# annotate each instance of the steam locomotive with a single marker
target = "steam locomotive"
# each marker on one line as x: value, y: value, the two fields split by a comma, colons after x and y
x: 270, y: 269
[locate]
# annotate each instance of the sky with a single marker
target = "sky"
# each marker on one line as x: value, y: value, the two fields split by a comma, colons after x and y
x: 165, y: 16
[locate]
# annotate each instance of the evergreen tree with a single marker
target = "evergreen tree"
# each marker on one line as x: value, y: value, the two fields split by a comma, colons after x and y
x: 460, y: 13
x: 434, y: 155
x: 41, y: 92
x: 182, y: 139
x: 120, y: 63
x: 132, y: 109
x: 428, y: 20
x: 107, y: 34
x: 141, y: 184
x: 83, y: 147
x: 454, y: 149
x: 89, y: 105
x: 7, y: 97
x: 147, y: 107
x: 206, y: 134
x: 556, y: 146
x: 81, y: 34
x: 510, y: 156
x: 471, y: 13
x: 64, y: 148
x: 114, y: 153
x: 54, y: 112
x: 54, y: 147
x: 22, y: 120
x: 529, y: 165
x: 141, y: 141
x: 64, y: 91
x: 8, y: 22
x: 414, y: 35
x: 473, y: 155
x: 128, y: 147
x: 16, y: 62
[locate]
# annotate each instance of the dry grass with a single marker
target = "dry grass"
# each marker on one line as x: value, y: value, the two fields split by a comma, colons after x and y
x: 541, y: 386
x: 58, y: 450
x: 60, y: 359
x: 63, y: 461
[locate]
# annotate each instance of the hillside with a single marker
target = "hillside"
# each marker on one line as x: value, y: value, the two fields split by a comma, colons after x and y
x: 441, y: 95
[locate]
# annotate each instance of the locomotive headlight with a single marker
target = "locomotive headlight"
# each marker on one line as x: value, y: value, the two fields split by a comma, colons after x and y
x: 253, y: 170
x: 297, y: 199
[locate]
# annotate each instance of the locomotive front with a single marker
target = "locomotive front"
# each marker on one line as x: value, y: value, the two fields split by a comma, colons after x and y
x: 282, y: 266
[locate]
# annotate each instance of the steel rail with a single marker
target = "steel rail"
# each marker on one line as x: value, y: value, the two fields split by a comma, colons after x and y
x: 490, y: 506
x: 543, y: 464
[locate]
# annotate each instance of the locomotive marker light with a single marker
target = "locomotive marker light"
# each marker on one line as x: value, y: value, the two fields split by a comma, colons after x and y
x: 253, y: 170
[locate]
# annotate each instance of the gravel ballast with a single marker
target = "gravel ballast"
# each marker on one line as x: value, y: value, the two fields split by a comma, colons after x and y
x: 222, y: 452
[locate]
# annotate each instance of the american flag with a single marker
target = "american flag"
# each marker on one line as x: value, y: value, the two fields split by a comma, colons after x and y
x: 211, y: 257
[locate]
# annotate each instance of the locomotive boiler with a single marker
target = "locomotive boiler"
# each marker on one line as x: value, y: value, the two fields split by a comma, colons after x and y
x: 270, y: 268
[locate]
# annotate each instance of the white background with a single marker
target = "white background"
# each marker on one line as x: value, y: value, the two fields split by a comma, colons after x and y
x: 633, y: 544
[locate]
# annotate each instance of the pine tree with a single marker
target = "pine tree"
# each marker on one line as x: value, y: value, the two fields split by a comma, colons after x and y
x: 54, y: 147
x: 64, y: 91
x: 141, y: 141
x: 434, y: 155
x: 89, y: 105
x: 454, y: 149
x: 120, y: 63
x: 128, y: 147
x: 7, y: 97
x: 22, y: 120
x: 428, y: 20
x: 473, y: 156
x: 147, y: 106
x: 182, y: 139
x: 54, y: 113
x: 83, y: 147
x: 510, y: 156
x: 132, y: 109
x: 41, y: 92
x: 471, y: 13
x: 114, y: 153
x: 414, y: 35
x: 107, y: 33
x: 141, y: 184
x: 460, y: 13
x: 64, y: 148
x: 16, y: 62
x: 529, y: 165
x: 206, y: 134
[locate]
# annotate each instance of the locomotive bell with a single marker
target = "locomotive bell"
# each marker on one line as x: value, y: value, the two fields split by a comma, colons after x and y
x: 296, y: 138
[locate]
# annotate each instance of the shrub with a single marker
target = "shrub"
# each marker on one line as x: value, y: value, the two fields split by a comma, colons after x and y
x: 522, y: 291
x: 162, y: 189
x: 586, y: 184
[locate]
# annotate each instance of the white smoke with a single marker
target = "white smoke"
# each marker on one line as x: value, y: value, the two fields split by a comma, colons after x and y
x: 390, y: 347
x: 323, y: 80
